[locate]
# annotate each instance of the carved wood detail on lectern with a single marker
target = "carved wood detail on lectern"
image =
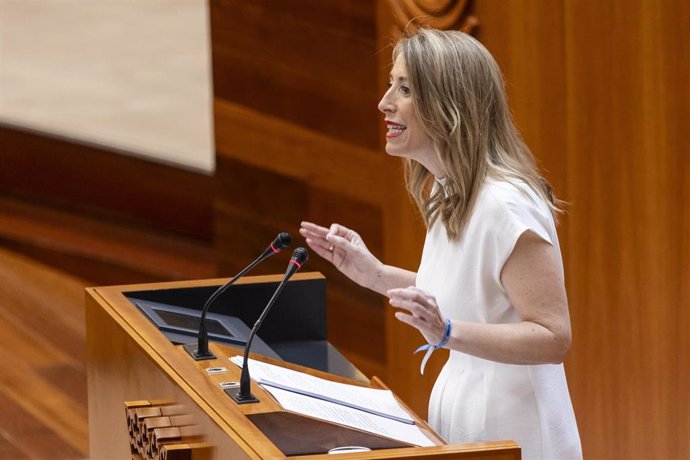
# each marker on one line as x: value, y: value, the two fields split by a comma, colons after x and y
x: 439, y: 14
x: 156, y: 431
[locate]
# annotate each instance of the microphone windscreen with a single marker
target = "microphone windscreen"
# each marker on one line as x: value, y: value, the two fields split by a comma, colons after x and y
x: 300, y: 255
x: 282, y: 241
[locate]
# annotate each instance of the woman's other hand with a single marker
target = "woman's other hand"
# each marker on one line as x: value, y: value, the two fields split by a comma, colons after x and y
x: 418, y: 308
x: 345, y: 249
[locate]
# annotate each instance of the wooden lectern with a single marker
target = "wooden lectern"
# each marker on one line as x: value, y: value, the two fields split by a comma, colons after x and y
x: 148, y: 398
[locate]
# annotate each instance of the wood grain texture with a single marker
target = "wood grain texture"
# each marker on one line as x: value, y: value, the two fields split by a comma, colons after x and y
x: 96, y: 180
x: 247, y: 221
x: 627, y: 182
x: 283, y: 147
x: 597, y: 91
x: 530, y: 50
x: 297, y: 139
x: 439, y: 14
x: 98, y: 250
x: 43, y: 372
x: 299, y: 61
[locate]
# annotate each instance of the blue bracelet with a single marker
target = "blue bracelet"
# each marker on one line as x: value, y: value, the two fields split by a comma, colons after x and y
x: 431, y: 348
x: 446, y: 335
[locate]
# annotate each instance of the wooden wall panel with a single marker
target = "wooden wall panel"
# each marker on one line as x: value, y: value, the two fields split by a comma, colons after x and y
x: 296, y: 139
x: 100, y: 215
x: 527, y: 40
x: 285, y: 148
x: 675, y: 39
x: 626, y: 181
x: 100, y: 252
x: 97, y: 180
x: 598, y: 92
x: 252, y: 206
x: 255, y: 204
x: 299, y: 61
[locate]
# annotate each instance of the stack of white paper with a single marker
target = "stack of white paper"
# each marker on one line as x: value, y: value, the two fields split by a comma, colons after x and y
x: 368, y: 409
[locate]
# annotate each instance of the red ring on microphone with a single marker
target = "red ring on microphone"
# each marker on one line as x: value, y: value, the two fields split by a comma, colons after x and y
x: 296, y: 263
x: 274, y: 249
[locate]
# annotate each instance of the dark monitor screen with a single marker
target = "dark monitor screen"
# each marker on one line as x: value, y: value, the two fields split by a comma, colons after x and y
x: 298, y: 314
x: 178, y: 320
x: 179, y: 324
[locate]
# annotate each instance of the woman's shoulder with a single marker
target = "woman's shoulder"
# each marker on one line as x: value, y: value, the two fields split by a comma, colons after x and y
x: 512, y: 206
x: 510, y: 195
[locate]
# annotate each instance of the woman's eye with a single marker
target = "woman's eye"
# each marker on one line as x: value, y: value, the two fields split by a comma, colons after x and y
x: 405, y: 90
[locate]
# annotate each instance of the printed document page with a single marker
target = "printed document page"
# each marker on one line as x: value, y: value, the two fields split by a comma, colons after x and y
x: 372, y: 400
x: 354, y: 418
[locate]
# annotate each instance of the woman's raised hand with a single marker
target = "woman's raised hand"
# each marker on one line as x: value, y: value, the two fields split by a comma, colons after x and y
x: 345, y: 249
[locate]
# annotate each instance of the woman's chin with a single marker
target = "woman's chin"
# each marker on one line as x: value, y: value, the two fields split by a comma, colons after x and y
x: 393, y: 151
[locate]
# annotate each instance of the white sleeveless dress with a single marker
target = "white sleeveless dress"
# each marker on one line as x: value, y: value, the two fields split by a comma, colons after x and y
x: 479, y: 400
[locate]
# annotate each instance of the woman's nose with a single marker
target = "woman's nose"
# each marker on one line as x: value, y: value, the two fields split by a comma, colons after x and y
x: 385, y: 104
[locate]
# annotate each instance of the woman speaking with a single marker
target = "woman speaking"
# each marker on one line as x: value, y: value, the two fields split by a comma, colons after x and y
x: 490, y: 282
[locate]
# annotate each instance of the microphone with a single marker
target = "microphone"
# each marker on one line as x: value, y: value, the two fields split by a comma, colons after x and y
x: 199, y: 351
x: 243, y: 394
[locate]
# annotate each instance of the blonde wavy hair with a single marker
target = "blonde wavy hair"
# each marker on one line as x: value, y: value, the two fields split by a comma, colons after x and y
x: 459, y: 97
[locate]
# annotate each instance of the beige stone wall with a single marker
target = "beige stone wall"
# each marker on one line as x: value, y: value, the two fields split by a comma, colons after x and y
x: 129, y: 74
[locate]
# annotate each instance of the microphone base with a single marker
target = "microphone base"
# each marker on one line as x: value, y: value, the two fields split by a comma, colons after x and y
x: 193, y: 350
x: 234, y: 393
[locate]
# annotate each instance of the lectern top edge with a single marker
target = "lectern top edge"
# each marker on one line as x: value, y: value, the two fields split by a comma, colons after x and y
x: 126, y: 288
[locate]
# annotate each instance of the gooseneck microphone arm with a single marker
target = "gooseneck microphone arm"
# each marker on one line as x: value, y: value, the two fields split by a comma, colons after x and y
x: 201, y: 351
x: 243, y: 394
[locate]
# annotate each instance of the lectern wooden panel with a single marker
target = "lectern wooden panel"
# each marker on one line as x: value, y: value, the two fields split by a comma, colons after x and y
x: 149, y: 399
